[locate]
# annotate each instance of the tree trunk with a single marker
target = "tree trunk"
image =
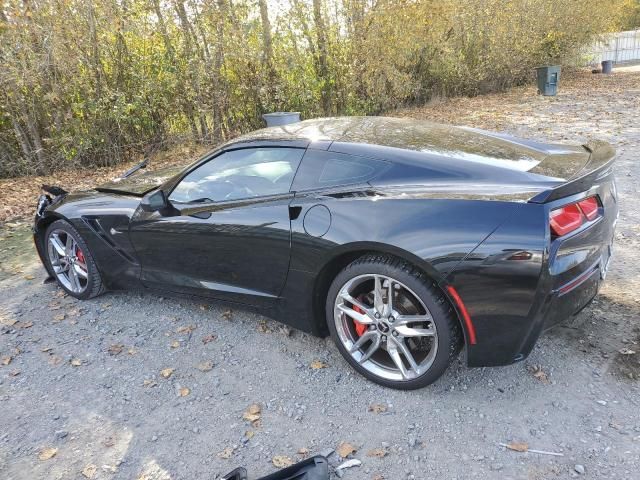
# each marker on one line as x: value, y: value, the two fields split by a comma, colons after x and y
x: 267, y: 53
x: 323, y: 66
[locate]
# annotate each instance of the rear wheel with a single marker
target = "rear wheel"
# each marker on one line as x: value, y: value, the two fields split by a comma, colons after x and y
x: 391, y: 323
x: 71, y: 262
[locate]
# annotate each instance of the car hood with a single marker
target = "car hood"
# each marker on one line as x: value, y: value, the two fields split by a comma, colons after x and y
x: 139, y: 184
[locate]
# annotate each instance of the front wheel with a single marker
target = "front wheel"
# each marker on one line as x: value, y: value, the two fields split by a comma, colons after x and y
x: 71, y: 262
x: 391, y: 323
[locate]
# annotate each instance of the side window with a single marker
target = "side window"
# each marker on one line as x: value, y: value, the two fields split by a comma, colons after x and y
x: 239, y: 174
x: 327, y: 169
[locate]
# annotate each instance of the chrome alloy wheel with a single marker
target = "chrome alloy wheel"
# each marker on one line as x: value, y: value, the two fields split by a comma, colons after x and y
x: 68, y: 261
x: 385, y: 327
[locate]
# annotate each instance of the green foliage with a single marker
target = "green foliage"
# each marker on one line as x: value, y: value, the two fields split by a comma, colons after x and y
x: 90, y: 83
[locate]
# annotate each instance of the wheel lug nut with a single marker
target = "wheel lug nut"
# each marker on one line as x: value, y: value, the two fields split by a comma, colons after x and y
x: 395, y: 334
x: 377, y: 315
x: 384, y: 338
x: 391, y: 319
x: 372, y: 327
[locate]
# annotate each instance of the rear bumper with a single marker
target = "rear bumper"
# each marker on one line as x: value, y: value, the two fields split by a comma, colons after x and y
x: 513, y: 297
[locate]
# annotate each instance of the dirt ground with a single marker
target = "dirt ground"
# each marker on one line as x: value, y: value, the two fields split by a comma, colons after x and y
x: 137, y: 386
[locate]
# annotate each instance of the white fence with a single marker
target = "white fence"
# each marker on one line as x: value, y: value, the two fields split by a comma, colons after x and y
x: 621, y: 47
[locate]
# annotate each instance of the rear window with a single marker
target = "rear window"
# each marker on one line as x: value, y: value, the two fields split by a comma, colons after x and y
x: 320, y: 169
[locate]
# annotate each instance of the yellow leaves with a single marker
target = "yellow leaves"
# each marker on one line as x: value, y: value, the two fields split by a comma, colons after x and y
x: 6, y: 360
x: 226, y: 453
x: 183, y: 392
x: 378, y: 407
x: 47, y: 453
x: 76, y: 362
x: 253, y: 414
x: 58, y: 318
x: 518, y: 446
x: 175, y: 344
x: 29, y: 277
x: 167, y: 372
x: 186, y: 329
x: 115, y: 349
x: 317, y: 365
x: 377, y: 453
x: 89, y: 471
x: 282, y: 461
x: 345, y: 449
x: 205, y: 366
x: 249, y: 434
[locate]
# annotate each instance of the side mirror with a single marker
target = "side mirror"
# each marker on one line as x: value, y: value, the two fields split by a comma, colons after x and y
x: 154, y: 201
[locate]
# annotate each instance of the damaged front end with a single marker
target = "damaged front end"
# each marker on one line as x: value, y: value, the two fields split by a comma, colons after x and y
x: 314, y: 468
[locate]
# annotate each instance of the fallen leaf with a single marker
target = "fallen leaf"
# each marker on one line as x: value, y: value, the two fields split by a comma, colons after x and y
x: 9, y: 322
x: 167, y: 372
x: 303, y: 451
x: 149, y: 383
x: 59, y: 317
x: 518, y: 447
x: 318, y: 364
x: 46, y: 349
x: 378, y: 408
x: 203, y: 307
x: 132, y: 351
x: 14, y: 373
x: 89, y: 471
x: 377, y: 452
x: 29, y: 277
x: 378, y: 477
x: 226, y: 453
x: 345, y: 449
x: 209, y: 338
x: 76, y: 362
x: 540, y: 374
x: 252, y: 413
x: 281, y: 461
x: 6, y: 360
x: 47, y: 453
x: 227, y: 314
x: 186, y: 329
x: 175, y: 344
x: 249, y: 434
x: 205, y: 366
x: 24, y: 325
x: 115, y: 349
x: 184, y: 391
x: 106, y: 305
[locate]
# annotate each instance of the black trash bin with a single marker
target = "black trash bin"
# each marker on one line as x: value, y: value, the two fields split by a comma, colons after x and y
x: 548, y: 79
x: 607, y: 66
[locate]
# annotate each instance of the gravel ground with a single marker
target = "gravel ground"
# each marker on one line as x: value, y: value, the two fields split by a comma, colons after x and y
x: 137, y: 386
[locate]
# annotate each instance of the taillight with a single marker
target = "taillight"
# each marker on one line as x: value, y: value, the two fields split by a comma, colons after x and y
x: 570, y: 217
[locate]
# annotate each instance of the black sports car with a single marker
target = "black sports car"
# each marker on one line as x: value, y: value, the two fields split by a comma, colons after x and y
x: 403, y: 240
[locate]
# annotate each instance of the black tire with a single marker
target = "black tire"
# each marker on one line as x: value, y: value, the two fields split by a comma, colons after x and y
x: 94, y: 286
x: 449, y: 337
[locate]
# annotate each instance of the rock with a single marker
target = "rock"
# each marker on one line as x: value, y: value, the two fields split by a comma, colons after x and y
x: 579, y: 469
x: 60, y: 434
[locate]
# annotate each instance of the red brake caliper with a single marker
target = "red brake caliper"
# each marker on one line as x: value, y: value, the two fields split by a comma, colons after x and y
x: 80, y: 255
x: 360, y: 327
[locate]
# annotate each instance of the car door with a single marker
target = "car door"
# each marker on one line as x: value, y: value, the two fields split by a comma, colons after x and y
x: 227, y: 231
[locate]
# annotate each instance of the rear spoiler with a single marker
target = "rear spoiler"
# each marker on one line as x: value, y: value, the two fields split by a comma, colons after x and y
x: 598, y: 166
